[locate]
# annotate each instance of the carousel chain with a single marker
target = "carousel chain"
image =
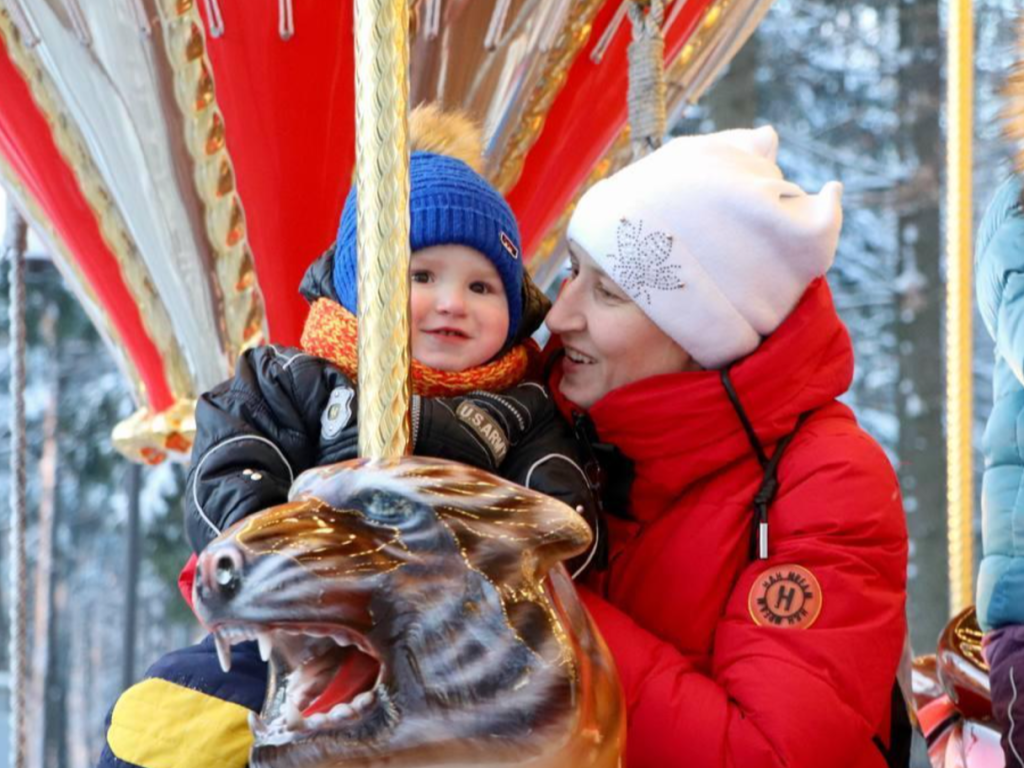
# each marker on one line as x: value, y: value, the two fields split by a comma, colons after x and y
x: 141, y: 17
x: 216, y: 21
x: 285, y: 18
x: 606, y: 38
x: 15, y: 240
x: 677, y: 10
x: 79, y: 23
x: 647, y: 118
x: 554, y: 24
x: 26, y: 26
x: 432, y: 19
x: 498, y: 18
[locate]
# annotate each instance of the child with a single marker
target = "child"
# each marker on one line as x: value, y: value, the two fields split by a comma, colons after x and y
x: 287, y: 410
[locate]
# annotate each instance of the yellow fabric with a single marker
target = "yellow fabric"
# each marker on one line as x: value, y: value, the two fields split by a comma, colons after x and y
x: 331, y: 333
x: 157, y: 724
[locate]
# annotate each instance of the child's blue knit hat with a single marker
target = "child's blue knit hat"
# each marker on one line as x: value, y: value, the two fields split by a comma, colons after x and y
x: 449, y: 204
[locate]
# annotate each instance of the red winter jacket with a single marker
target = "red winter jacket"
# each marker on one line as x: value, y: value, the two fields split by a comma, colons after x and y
x: 709, y: 679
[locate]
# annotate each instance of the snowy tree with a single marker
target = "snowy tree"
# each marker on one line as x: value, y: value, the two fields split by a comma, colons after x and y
x: 77, y: 518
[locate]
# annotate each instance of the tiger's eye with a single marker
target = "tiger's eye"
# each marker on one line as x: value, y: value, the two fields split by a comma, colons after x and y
x: 226, y: 575
x: 388, y: 507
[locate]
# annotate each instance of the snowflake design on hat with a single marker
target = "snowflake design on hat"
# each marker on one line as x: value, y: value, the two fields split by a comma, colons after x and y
x: 642, y: 261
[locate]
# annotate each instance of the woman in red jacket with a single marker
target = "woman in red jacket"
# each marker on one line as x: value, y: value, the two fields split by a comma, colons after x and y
x: 755, y: 589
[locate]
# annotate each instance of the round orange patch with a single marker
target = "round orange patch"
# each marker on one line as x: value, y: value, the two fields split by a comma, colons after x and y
x: 785, y: 596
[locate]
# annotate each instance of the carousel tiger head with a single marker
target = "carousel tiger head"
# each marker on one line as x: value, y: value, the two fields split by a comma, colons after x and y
x: 407, y: 614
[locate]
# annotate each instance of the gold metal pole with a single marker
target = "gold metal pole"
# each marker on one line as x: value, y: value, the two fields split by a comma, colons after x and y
x: 382, y: 175
x: 960, y: 106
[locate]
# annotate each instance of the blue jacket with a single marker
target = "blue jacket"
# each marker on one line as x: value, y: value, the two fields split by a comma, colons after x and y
x: 999, y: 265
x: 148, y: 726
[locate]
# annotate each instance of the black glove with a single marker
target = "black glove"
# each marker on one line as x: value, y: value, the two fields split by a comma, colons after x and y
x: 478, y: 428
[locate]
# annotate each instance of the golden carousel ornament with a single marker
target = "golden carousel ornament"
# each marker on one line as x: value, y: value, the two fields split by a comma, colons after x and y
x: 415, y: 613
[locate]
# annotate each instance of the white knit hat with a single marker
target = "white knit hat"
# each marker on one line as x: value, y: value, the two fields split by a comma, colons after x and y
x: 709, y: 239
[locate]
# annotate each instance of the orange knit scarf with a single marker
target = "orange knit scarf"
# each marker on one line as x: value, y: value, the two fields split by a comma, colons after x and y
x: 330, y: 333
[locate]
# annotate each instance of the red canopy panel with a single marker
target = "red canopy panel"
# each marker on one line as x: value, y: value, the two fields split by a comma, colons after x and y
x: 289, y: 117
x: 29, y: 148
x: 584, y: 121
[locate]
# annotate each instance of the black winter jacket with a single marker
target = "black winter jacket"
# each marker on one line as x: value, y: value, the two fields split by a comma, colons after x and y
x: 286, y: 411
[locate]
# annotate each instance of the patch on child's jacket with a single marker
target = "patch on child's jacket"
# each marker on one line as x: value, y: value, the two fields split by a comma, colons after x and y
x: 509, y: 246
x: 337, y: 414
x: 785, y: 596
x: 485, y: 428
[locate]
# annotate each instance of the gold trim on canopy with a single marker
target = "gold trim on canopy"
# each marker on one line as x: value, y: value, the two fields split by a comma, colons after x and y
x: 150, y: 438
x: 240, y: 296
x: 74, y: 150
x: 572, y: 38
x: 68, y: 267
x: 144, y: 437
x: 616, y: 157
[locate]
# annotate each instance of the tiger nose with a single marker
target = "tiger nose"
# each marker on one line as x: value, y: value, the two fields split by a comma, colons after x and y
x: 219, y: 573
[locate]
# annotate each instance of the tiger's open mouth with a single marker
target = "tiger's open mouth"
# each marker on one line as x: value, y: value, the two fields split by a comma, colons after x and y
x: 323, y: 678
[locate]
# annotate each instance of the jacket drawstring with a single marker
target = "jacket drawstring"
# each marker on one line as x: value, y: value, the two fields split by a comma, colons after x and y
x: 769, y: 486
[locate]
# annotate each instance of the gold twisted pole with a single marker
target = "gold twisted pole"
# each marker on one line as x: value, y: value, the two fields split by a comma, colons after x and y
x: 959, y: 291
x: 382, y: 175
